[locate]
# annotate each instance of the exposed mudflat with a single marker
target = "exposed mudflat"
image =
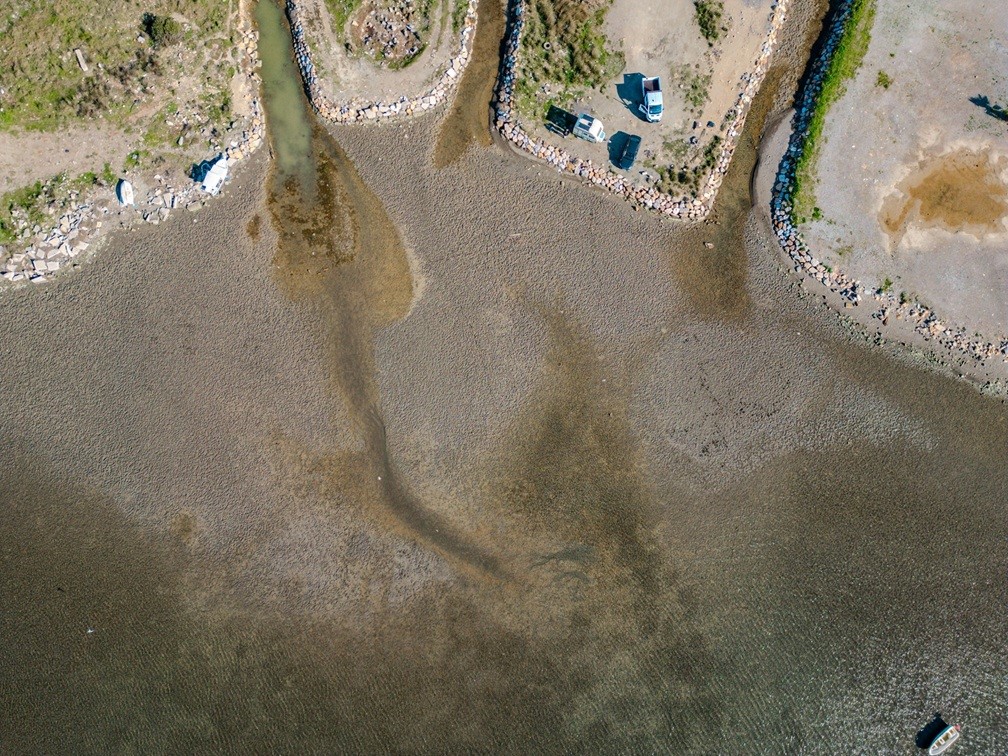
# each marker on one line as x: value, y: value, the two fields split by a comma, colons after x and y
x: 959, y: 191
x: 519, y: 472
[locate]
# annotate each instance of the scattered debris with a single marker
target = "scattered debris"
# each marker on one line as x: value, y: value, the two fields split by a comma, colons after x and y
x: 80, y: 60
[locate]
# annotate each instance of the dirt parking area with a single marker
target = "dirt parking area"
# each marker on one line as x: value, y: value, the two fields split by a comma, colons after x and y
x: 379, y: 49
x: 700, y: 82
x: 913, y: 172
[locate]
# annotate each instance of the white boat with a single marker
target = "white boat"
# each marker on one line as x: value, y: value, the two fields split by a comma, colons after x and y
x: 944, y: 741
x: 124, y: 192
x: 214, y: 178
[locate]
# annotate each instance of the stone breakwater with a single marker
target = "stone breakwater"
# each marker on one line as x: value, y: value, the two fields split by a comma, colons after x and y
x: 45, y: 251
x: 361, y: 111
x: 885, y: 304
x: 508, y: 124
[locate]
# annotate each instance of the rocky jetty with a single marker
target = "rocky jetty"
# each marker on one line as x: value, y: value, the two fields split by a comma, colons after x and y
x: 851, y: 292
x: 359, y: 111
x: 42, y: 252
x: 508, y: 124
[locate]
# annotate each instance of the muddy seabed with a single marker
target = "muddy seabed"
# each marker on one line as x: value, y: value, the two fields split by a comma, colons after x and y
x: 510, y: 467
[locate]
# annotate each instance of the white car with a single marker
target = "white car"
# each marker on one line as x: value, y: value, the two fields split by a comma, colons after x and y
x: 590, y: 128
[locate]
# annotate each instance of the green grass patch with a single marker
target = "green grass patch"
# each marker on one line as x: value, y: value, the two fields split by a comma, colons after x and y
x: 564, y: 47
x: 44, y: 88
x: 458, y: 14
x: 134, y: 159
x: 883, y: 80
x: 676, y: 149
x: 340, y: 11
x: 710, y: 19
x: 694, y: 85
x: 845, y: 63
x: 27, y: 202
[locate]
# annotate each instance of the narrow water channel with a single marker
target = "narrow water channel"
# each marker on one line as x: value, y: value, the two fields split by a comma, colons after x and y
x: 338, y: 247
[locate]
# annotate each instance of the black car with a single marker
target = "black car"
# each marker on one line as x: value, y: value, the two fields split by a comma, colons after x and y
x: 629, y: 153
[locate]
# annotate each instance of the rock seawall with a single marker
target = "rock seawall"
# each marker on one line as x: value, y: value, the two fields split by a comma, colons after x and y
x: 508, y: 124
x: 852, y: 292
x: 361, y: 111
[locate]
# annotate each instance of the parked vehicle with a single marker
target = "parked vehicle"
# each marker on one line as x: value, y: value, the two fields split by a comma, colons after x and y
x: 628, y: 154
x: 590, y: 128
x: 652, y: 105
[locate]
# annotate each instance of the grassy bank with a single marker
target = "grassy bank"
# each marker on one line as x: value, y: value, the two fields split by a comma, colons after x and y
x: 129, y: 48
x: 563, y: 48
x: 845, y: 63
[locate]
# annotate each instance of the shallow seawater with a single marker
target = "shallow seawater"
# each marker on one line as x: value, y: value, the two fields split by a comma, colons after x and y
x: 468, y: 119
x: 291, y: 130
x: 830, y: 599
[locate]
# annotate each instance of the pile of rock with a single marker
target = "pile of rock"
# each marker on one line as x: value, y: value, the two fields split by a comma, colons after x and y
x: 852, y: 292
x: 507, y: 123
x: 388, y: 33
x: 359, y: 111
x: 59, y: 246
x: 44, y: 252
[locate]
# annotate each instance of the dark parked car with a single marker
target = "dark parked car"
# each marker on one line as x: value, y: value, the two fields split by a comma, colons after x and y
x: 629, y: 153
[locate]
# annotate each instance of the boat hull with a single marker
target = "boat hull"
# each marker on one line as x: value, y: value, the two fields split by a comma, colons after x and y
x: 946, y: 738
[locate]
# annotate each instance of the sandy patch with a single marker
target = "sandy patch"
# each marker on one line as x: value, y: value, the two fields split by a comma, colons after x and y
x: 958, y: 192
x: 919, y: 98
x: 38, y: 156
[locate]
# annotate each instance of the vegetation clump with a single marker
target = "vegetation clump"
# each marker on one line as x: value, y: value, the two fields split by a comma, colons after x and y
x: 695, y: 85
x: 340, y: 11
x: 710, y: 17
x: 563, y: 46
x: 686, y: 179
x: 459, y: 14
x: 883, y: 80
x: 846, y: 61
x: 162, y: 30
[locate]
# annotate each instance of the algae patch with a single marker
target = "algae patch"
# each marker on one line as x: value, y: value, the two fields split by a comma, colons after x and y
x: 960, y: 191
